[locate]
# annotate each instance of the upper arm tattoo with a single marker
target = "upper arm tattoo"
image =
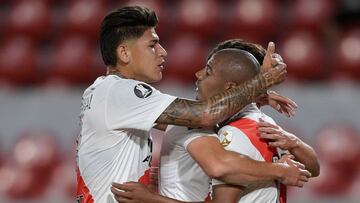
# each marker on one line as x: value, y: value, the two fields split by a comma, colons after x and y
x: 182, y: 112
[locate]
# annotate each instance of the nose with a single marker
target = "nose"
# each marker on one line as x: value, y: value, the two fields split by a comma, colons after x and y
x: 162, y: 51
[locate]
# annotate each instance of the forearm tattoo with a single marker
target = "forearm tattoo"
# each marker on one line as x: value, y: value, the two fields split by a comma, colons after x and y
x: 218, y: 108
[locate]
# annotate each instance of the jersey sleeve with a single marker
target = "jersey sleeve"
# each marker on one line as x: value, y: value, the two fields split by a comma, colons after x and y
x: 194, y: 134
x: 136, y: 105
x: 233, y: 139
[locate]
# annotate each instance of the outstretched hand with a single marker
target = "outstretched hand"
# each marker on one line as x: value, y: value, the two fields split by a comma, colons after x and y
x: 278, y: 102
x: 277, y: 137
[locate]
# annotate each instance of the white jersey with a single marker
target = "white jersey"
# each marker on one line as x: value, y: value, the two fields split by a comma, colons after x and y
x: 114, y: 146
x: 181, y: 177
x: 241, y: 136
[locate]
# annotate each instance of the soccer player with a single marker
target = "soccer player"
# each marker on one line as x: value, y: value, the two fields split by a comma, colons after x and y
x: 187, y: 161
x: 119, y: 109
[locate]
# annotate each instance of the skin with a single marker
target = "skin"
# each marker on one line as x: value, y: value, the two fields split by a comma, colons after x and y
x: 207, y: 151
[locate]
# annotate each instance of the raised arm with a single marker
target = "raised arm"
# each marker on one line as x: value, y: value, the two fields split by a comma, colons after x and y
x: 216, y: 109
x: 288, y: 141
x: 237, y: 169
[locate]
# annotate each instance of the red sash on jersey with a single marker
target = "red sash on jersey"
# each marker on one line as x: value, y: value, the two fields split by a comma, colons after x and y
x: 249, y: 128
x: 82, y: 193
x: 145, y: 179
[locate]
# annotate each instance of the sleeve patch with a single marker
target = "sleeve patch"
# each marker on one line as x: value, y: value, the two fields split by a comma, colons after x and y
x: 226, y: 138
x: 142, y: 90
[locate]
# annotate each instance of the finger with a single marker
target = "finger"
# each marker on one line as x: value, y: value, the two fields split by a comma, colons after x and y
x: 305, y: 173
x: 125, y: 186
x: 269, y: 129
x: 304, y: 179
x: 279, y: 98
x: 298, y: 164
x: 300, y: 184
x: 290, y: 110
x: 263, y: 123
x: 286, y: 111
x: 270, y: 49
x: 279, y: 144
x: 276, y: 55
x: 268, y: 59
x: 288, y: 156
x: 119, y: 193
x: 273, y: 137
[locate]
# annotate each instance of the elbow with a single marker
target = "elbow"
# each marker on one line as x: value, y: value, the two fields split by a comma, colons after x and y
x: 216, y: 171
x: 315, y: 172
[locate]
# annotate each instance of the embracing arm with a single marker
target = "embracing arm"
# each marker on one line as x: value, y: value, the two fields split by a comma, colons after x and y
x: 216, y: 109
x: 237, y: 169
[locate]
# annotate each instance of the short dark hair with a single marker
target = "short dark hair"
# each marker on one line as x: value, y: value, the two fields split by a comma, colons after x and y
x: 255, y: 49
x: 125, y: 23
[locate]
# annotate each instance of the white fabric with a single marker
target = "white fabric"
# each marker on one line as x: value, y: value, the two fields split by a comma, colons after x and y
x: 114, y: 144
x: 181, y: 177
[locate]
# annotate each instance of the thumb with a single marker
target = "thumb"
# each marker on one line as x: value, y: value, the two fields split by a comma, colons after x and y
x: 268, y: 56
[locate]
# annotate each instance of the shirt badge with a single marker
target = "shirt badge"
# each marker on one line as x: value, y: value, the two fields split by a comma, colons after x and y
x: 142, y: 90
x: 225, y: 138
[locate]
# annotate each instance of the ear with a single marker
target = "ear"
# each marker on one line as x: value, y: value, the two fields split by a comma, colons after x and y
x: 123, y: 53
x: 230, y: 85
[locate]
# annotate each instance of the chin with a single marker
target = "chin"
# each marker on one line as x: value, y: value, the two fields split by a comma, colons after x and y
x: 155, y: 79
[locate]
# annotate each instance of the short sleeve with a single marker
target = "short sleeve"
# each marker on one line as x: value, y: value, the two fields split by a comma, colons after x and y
x: 134, y: 105
x: 233, y: 139
x: 194, y: 134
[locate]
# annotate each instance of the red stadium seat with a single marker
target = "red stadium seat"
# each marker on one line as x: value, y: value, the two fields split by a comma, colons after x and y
x: 186, y: 56
x: 18, y: 61
x: 19, y: 183
x: 333, y: 139
x: 347, y: 54
x: 310, y: 14
x: 199, y: 17
x: 252, y: 20
x: 36, y: 151
x: 84, y: 17
x: 304, y: 56
x: 63, y: 180
x: 72, y: 60
x: 30, y: 18
x: 338, y: 147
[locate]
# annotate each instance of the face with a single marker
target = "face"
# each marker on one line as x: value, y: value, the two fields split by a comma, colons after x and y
x: 147, y: 57
x: 209, y: 80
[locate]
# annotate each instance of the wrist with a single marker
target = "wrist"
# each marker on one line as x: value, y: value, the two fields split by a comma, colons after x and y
x: 279, y: 171
x: 296, y: 143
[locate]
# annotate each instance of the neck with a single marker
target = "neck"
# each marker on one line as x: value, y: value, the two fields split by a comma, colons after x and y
x: 115, y: 71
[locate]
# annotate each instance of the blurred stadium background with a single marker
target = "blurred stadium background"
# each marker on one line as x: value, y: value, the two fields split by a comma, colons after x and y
x: 49, y: 54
